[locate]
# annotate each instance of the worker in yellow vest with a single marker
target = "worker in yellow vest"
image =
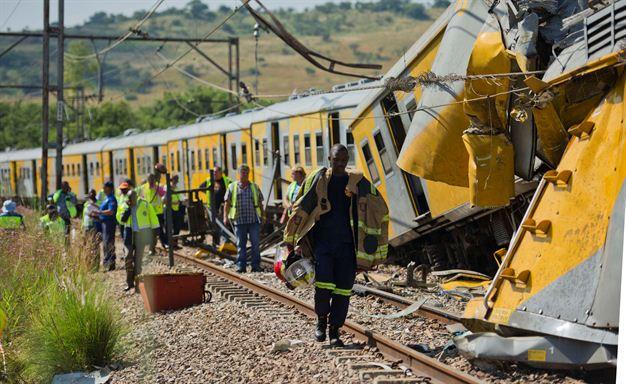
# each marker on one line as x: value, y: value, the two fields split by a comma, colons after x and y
x: 297, y: 175
x: 178, y: 212
x: 138, y: 216
x: 51, y: 222
x: 65, y: 201
x: 243, y: 206
x: 9, y: 219
x: 153, y: 193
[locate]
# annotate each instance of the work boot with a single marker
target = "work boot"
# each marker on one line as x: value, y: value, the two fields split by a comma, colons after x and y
x: 320, y: 329
x: 333, y: 336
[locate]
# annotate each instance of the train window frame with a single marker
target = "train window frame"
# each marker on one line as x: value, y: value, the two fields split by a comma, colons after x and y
x: 78, y: 170
x: 257, y: 153
x: 207, y: 164
x: 178, y: 160
x: 296, y: 149
x: 193, y: 160
x: 216, y: 157
x: 91, y: 168
x: 140, y: 165
x: 244, y: 153
x: 308, y: 152
x: 265, y: 149
x: 369, y: 161
x: 73, y: 170
x: 233, y: 157
x: 97, y: 168
x: 411, y: 107
x: 383, y: 152
x: 319, y: 148
x: 124, y: 167
x: 351, y: 146
x: 286, y: 151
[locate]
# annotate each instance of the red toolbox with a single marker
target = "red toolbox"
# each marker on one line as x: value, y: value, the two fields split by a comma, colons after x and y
x: 168, y: 291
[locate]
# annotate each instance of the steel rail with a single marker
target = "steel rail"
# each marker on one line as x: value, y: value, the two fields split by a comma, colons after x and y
x: 417, y: 362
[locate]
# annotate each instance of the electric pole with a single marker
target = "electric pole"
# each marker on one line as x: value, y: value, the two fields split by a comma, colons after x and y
x: 60, y: 102
x: 45, y: 79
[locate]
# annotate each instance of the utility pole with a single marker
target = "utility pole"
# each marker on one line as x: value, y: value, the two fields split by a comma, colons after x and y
x: 45, y: 79
x: 60, y: 101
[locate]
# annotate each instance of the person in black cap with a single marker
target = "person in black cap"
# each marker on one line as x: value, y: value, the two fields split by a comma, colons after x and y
x: 107, y: 212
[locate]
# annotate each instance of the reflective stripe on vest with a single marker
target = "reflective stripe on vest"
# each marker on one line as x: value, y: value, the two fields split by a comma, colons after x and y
x: 143, y: 214
x: 10, y: 222
x: 292, y: 191
x: 232, y: 212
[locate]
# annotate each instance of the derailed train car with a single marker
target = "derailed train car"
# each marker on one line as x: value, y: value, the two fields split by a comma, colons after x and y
x: 433, y: 221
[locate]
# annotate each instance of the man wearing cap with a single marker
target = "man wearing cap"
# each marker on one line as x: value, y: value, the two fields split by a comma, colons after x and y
x: 140, y: 220
x: 106, y: 213
x: 51, y: 222
x: 244, y: 207
x: 9, y: 219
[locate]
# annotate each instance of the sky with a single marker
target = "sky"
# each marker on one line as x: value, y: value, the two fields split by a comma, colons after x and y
x: 19, y: 14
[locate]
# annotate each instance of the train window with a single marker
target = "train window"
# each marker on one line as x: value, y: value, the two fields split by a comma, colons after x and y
x: 78, y: 170
x: 296, y: 149
x: 350, y: 146
x: 411, y: 106
x: 97, y: 168
x: 334, y: 126
x: 206, y: 159
x: 91, y: 168
x: 319, y: 148
x: 257, y: 152
x: 193, y: 160
x: 265, y: 152
x: 73, y: 167
x: 233, y: 156
x: 371, y: 166
x: 172, y: 160
x: 125, y: 167
x: 140, y: 166
x: 216, y: 161
x: 286, y: 150
x: 382, y: 151
x: 178, y: 161
x: 394, y: 121
x: 244, y: 154
x: 307, y: 150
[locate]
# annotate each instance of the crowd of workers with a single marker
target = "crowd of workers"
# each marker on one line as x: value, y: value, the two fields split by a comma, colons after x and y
x: 321, y: 209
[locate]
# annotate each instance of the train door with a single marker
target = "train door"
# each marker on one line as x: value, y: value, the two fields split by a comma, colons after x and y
x: 109, y: 172
x: 274, y: 159
x: 34, y: 177
x: 186, y: 166
x: 262, y: 147
x: 395, y: 134
x: 90, y: 168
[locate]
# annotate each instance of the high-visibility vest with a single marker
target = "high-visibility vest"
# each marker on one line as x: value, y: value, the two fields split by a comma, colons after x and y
x: 13, y: 221
x: 71, y: 208
x: 101, y: 196
x: 53, y: 226
x: 175, y: 201
x: 88, y: 222
x: 232, y: 212
x: 152, y: 197
x: 145, y: 215
x: 292, y: 192
x: 227, y: 181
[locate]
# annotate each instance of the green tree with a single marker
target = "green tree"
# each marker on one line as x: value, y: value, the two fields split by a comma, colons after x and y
x: 80, y: 72
x: 111, y: 119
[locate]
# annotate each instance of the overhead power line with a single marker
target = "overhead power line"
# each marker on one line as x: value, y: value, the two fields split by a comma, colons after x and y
x: 134, y: 30
x: 11, y: 14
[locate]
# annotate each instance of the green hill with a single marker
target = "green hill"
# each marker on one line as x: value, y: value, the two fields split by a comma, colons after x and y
x: 373, y: 32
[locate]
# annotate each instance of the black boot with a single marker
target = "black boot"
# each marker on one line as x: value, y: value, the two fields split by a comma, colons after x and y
x: 333, y: 336
x: 320, y: 329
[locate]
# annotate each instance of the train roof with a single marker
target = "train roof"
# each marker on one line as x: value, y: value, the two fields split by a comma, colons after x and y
x: 401, y: 66
x: 299, y: 106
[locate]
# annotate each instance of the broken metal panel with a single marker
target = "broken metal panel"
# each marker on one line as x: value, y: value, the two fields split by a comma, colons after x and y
x: 537, y: 351
x: 433, y: 148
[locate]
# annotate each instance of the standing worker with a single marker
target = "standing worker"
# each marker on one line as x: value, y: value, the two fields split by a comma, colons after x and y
x: 323, y: 222
x: 139, y: 217
x: 178, y: 213
x: 221, y: 185
x: 243, y: 207
x: 92, y: 227
x: 153, y: 194
x: 120, y: 195
x: 9, y: 219
x: 51, y: 222
x: 106, y: 213
x: 297, y: 175
x: 65, y: 200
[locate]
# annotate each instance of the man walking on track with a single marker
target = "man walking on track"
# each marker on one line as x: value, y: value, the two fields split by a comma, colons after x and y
x: 243, y: 207
x: 341, y: 220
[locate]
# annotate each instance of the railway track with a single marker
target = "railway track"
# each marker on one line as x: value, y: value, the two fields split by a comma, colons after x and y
x: 252, y: 293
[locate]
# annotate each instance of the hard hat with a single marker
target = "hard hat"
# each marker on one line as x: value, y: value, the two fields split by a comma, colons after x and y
x: 293, y: 269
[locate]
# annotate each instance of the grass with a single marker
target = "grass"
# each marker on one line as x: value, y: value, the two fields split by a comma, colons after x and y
x: 58, y: 318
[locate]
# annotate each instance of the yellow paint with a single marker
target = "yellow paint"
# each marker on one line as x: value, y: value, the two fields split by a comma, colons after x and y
x: 443, y: 198
x: 579, y: 212
x: 73, y: 164
x: 501, y: 315
x: 536, y: 355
